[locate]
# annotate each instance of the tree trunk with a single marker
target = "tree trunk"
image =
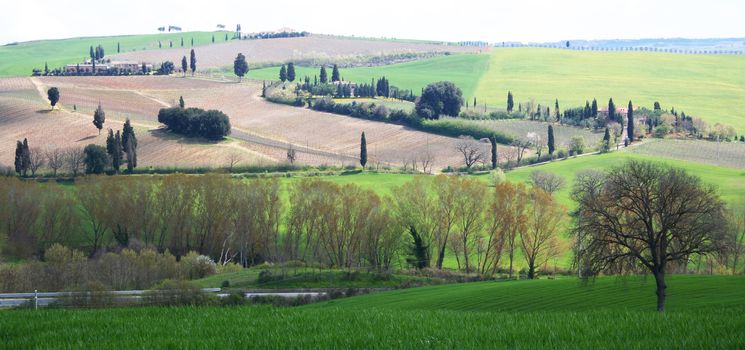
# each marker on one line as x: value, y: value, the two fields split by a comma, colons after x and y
x: 531, y: 271
x: 659, y: 277
x: 441, y: 257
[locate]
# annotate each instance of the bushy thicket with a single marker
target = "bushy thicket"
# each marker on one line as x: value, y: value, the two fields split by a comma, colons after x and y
x: 195, y: 122
x: 65, y: 269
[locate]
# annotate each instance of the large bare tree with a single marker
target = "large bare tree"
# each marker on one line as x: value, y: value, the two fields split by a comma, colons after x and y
x: 645, y: 215
x: 471, y: 151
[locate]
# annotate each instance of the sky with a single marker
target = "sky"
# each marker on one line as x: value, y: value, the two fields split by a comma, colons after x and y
x: 461, y: 20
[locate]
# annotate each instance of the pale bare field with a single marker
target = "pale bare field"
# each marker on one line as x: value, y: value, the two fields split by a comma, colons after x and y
x: 262, y: 131
x: 287, y: 49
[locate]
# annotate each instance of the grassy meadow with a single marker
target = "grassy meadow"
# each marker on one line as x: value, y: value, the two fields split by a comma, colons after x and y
x: 19, y: 59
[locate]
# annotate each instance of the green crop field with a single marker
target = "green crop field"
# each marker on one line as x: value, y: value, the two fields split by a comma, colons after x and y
x: 21, y: 58
x: 464, y: 70
x: 637, y: 293
x: 704, y: 312
x: 707, y: 86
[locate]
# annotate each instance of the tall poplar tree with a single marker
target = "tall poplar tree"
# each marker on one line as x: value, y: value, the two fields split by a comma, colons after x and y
x: 363, y: 150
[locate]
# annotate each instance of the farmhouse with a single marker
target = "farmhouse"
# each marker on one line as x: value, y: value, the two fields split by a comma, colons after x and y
x: 121, y: 67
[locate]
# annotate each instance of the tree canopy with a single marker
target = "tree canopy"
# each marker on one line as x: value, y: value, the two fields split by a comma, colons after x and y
x: 439, y: 98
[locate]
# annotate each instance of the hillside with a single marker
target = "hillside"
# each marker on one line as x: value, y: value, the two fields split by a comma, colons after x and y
x: 21, y: 58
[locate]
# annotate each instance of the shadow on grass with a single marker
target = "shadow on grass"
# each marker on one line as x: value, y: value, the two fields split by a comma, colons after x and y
x: 165, y: 135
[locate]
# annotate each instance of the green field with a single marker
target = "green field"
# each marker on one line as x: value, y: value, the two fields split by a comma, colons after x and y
x: 464, y: 70
x: 20, y: 59
x: 707, y: 86
x: 704, y: 312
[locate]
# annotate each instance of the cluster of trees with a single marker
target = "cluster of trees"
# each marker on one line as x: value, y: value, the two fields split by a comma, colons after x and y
x: 122, y: 146
x: 32, y: 160
x: 196, y: 122
x: 275, y: 35
x: 249, y: 223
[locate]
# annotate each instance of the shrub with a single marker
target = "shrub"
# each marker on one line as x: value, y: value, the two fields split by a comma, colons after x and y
x: 198, y: 266
x: 177, y: 293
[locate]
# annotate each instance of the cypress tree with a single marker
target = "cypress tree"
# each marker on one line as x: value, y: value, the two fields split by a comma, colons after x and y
x: 118, y: 48
x: 556, y: 110
x: 263, y: 88
x: 335, y: 74
x: 493, y: 141
x: 213, y: 38
x: 181, y: 102
x: 19, y: 159
x: 323, y: 75
x: 510, y: 102
x: 363, y: 150
x: 630, y: 127
x: 129, y: 142
x: 418, y: 251
x: 160, y: 45
x: 99, y: 118
x: 182, y: 42
x: 25, y: 157
x: 551, y: 142
x: 226, y: 36
x: 283, y: 73
x: 291, y: 72
x: 92, y: 54
x: 184, y: 65
x: 657, y: 106
x: 606, y: 139
x: 116, y: 158
x: 611, y: 110
x: 193, y: 61
x: 594, y: 108
x: 192, y: 42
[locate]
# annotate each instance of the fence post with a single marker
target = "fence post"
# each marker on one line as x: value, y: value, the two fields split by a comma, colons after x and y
x: 36, y: 299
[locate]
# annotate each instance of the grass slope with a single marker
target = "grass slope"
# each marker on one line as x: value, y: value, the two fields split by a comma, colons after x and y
x: 21, y: 58
x: 731, y: 182
x: 464, y: 70
x: 706, y: 86
x: 685, y: 293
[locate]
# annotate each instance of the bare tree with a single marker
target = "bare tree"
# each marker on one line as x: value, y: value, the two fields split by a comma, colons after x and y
x: 521, y: 146
x: 548, y: 182
x: 425, y: 161
x: 644, y: 215
x: 36, y: 160
x: 233, y: 159
x: 55, y: 159
x: 735, y: 239
x: 537, y: 142
x: 291, y: 155
x: 539, y: 241
x: 471, y: 151
x: 74, y: 157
